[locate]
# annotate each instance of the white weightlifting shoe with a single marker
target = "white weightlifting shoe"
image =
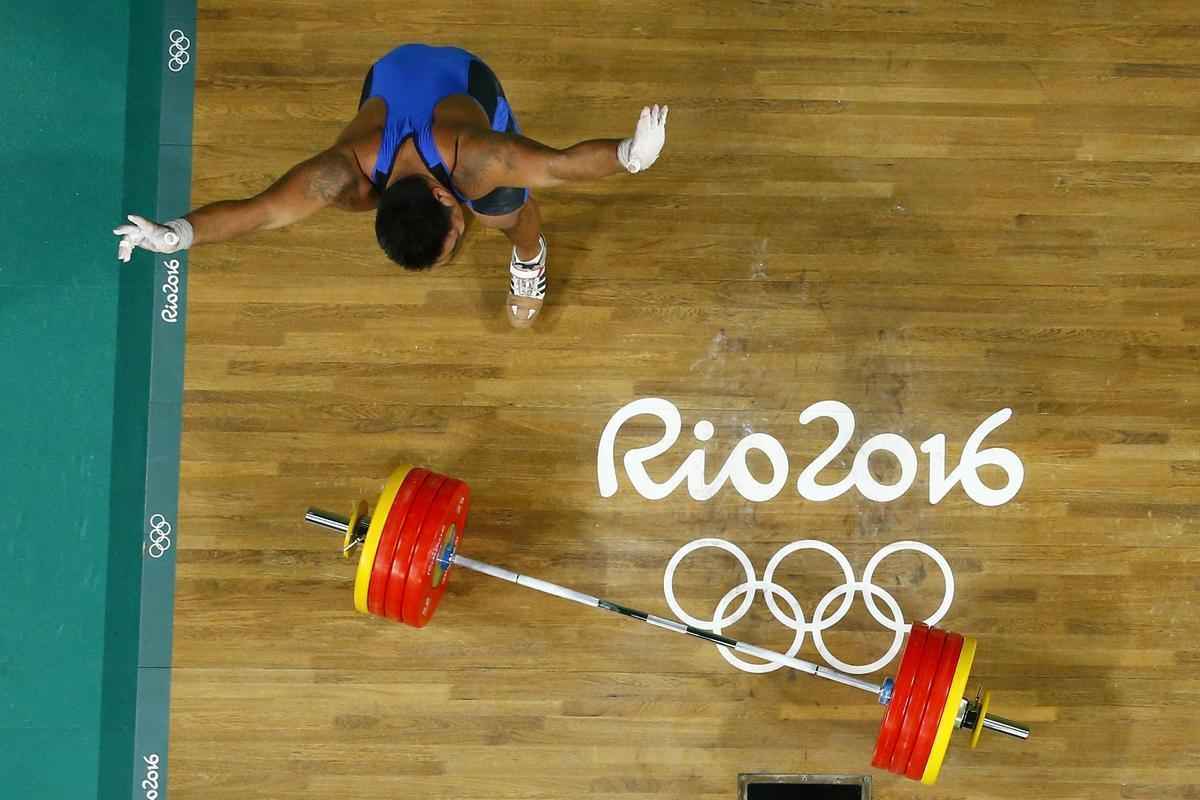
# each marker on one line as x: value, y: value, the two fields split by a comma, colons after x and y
x: 527, y: 287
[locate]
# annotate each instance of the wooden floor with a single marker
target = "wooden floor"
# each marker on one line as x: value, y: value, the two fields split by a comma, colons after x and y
x: 927, y: 210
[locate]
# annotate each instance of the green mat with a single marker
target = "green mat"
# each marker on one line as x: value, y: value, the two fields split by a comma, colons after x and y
x: 93, y: 121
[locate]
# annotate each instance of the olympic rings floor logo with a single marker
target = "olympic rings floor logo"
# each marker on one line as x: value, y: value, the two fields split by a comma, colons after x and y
x: 160, y: 536
x: 820, y: 621
x: 177, y: 50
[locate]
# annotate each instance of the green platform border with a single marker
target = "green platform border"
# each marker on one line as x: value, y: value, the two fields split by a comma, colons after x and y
x: 148, y: 404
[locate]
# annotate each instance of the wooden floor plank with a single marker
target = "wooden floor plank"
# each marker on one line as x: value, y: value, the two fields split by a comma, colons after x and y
x: 927, y: 211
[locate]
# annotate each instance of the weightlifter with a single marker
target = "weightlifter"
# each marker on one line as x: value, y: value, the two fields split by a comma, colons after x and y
x: 434, y: 134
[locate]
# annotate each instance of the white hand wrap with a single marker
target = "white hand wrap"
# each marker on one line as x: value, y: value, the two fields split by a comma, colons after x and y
x: 171, y: 237
x: 641, y: 150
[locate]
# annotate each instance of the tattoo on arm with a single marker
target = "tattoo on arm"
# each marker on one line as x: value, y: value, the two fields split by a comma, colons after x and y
x: 489, y: 159
x: 332, y: 180
x: 482, y: 161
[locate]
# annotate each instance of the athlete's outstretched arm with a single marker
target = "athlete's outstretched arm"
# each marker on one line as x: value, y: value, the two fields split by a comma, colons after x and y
x: 328, y: 178
x: 490, y: 159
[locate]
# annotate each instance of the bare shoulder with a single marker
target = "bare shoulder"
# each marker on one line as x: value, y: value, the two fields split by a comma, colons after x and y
x: 481, y: 159
x: 469, y: 148
x: 371, y: 118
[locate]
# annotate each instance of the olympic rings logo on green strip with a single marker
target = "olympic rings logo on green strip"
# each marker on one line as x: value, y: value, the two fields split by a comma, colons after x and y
x: 160, y: 536
x: 177, y: 50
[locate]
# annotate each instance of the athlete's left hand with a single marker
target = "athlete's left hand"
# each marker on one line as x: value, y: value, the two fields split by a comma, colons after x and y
x: 640, y: 151
x: 172, y: 237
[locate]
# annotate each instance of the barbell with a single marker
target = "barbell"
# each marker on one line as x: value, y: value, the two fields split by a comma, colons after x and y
x: 407, y: 549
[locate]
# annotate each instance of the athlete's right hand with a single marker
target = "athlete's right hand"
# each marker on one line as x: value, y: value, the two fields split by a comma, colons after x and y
x: 172, y: 237
x: 640, y: 151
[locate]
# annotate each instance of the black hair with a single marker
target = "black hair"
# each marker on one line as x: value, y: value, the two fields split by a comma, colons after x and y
x: 411, y: 224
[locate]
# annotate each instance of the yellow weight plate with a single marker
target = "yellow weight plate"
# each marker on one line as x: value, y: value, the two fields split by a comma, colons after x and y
x: 983, y: 709
x: 360, y: 510
x: 366, y: 559
x: 958, y: 687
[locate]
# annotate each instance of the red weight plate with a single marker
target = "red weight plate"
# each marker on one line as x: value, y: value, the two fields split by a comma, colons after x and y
x: 409, y: 534
x: 911, y: 723
x: 440, y: 535
x: 889, y: 729
x: 934, y: 705
x: 389, y: 536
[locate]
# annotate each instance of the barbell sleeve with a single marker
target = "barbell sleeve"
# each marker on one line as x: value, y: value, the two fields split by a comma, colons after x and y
x: 1005, y: 726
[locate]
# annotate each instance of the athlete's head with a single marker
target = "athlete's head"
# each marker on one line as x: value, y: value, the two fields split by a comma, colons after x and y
x: 418, y: 223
